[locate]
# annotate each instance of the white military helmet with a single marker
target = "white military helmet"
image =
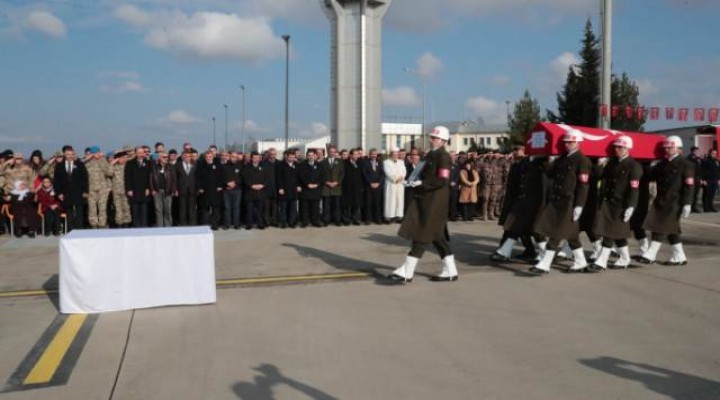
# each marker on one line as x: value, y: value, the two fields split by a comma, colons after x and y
x: 624, y: 141
x: 674, y: 141
x: 440, y: 132
x: 572, y: 135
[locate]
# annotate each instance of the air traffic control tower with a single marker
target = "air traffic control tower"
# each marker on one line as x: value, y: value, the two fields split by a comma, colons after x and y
x: 356, y: 71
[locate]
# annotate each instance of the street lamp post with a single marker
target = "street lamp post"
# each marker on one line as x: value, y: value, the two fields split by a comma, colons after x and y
x: 214, y: 137
x: 424, y: 102
x: 242, y: 127
x: 226, y: 126
x: 286, y: 38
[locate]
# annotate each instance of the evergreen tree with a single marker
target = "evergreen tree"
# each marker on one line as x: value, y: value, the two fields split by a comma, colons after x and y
x: 525, y: 116
x: 625, y: 92
x: 578, y: 102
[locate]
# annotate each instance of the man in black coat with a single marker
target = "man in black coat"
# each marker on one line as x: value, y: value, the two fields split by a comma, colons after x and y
x: 675, y: 179
x: 558, y: 220
x: 288, y: 187
x: 710, y: 179
x: 352, y: 189
x: 333, y: 172
x: 618, y: 198
x: 137, y: 187
x: 71, y: 184
x: 457, y: 162
x: 211, y: 183
x: 373, y: 179
x: 254, y: 178
x: 695, y: 159
x: 232, y: 196
x: 310, y: 175
x: 187, y: 190
x: 270, y: 202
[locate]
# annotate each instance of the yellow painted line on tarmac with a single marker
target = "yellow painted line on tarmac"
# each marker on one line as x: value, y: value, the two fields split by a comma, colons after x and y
x: 24, y: 293
x: 297, y: 278
x: 221, y: 282
x: 49, y: 362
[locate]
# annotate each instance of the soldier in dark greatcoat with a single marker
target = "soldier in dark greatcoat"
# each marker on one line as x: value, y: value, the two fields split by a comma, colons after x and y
x: 618, y: 197
x: 310, y: 174
x: 558, y: 219
x: 675, y: 179
x: 427, y: 215
x: 523, y: 199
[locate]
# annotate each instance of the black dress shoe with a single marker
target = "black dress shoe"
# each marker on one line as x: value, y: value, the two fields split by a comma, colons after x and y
x: 675, y: 263
x: 397, y: 279
x: 538, y: 271
x: 248, y: 227
x: 594, y: 268
x: 643, y: 260
x: 576, y: 271
x: 444, y: 278
x: 498, y: 257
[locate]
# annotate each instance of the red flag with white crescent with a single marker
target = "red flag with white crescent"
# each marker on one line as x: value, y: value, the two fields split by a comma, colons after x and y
x: 683, y: 114
x: 699, y: 114
x: 629, y: 112
x: 669, y: 112
x: 713, y: 114
x: 615, y: 111
x: 654, y: 113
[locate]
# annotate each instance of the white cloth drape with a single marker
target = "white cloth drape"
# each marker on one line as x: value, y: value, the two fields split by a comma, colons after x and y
x: 394, y: 192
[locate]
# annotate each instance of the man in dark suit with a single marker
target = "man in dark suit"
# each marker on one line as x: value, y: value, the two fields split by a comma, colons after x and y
x: 710, y: 179
x: 352, y: 189
x: 288, y: 187
x: 254, y: 178
x: 271, y: 204
x: 137, y: 187
x: 455, y: 184
x: 310, y: 175
x: 373, y: 177
x: 210, y: 183
x: 695, y: 159
x: 71, y: 184
x: 187, y: 190
x: 333, y: 171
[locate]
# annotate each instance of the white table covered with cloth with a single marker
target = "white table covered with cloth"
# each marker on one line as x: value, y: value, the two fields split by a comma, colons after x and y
x: 122, y: 269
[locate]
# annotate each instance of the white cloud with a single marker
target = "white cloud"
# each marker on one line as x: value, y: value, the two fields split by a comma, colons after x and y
x: 647, y: 88
x: 181, y: 117
x: 428, y: 65
x: 562, y: 63
x: 207, y: 35
x: 425, y: 15
x: 46, y: 23
x: 499, y: 80
x: 403, y: 96
x: 492, y: 112
x: 123, y: 87
x: 132, y: 75
x: 320, y: 129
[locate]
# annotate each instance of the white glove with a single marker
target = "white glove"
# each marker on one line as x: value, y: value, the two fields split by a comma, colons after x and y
x: 686, y: 211
x: 577, y: 212
x: 628, y: 214
x: 415, y: 183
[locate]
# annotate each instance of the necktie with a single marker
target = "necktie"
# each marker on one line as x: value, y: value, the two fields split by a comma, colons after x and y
x: 69, y: 168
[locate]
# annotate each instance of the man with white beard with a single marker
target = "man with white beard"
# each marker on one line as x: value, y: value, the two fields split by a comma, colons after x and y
x: 394, y: 189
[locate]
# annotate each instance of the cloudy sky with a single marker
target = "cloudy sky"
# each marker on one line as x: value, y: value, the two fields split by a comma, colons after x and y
x: 111, y: 72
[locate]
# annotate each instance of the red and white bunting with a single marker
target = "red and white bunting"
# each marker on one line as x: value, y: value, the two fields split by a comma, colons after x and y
x: 669, y: 112
x: 615, y: 111
x: 683, y: 114
x: 629, y: 112
x: 699, y: 114
x: 654, y: 113
x: 604, y: 110
x: 713, y: 114
x: 640, y: 112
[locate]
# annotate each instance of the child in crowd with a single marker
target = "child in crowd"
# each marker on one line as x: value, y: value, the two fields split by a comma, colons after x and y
x: 51, y: 207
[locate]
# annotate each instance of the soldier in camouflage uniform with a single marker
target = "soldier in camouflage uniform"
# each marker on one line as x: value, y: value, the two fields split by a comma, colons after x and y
x: 503, y: 170
x: 99, y: 173
x: 120, y: 200
x: 489, y: 184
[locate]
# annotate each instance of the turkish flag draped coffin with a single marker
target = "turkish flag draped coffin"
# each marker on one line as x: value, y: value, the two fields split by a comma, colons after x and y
x: 545, y: 139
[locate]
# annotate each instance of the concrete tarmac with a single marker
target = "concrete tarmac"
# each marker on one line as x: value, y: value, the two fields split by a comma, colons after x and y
x: 497, y: 333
